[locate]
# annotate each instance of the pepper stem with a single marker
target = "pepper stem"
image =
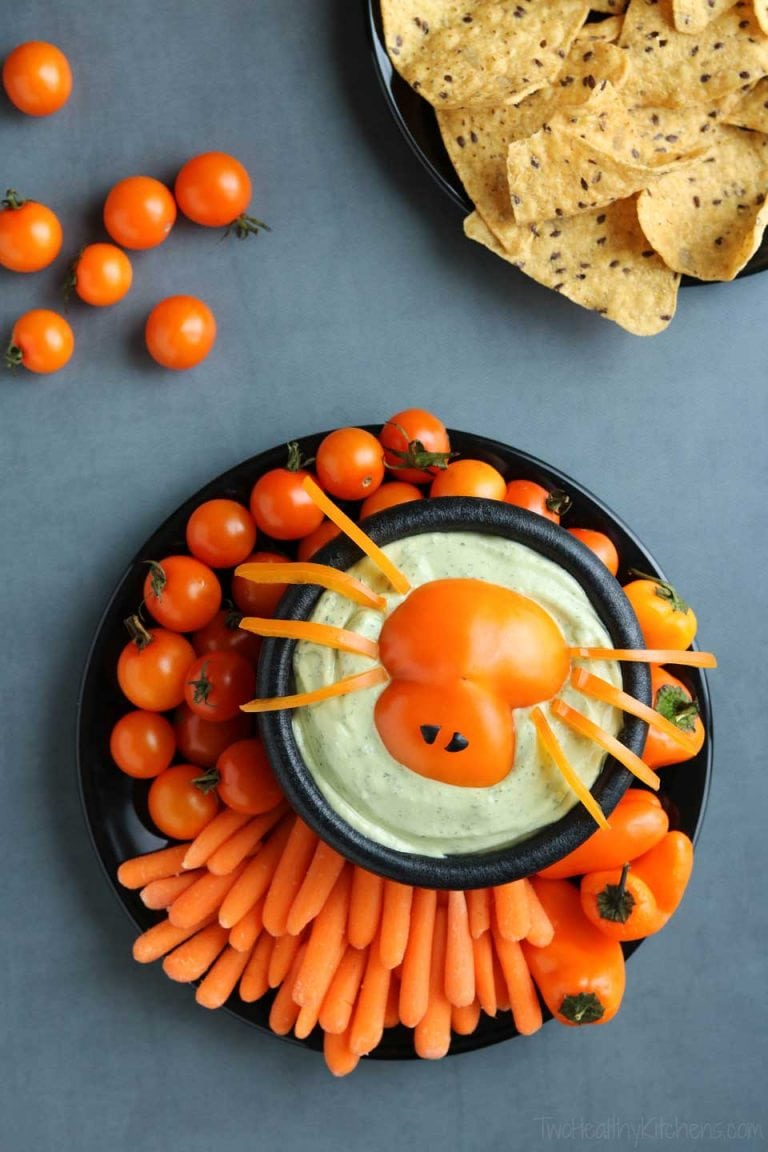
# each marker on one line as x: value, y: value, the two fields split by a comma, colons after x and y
x: 582, y: 1008
x: 614, y: 903
x: 664, y: 589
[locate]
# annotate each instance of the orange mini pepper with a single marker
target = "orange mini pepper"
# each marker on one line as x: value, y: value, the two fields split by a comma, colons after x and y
x: 672, y: 699
x: 637, y: 823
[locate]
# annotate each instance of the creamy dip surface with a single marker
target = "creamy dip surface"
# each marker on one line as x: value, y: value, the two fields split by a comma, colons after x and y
x: 388, y: 802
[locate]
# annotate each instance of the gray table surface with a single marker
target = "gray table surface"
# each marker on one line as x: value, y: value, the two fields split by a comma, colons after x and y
x: 364, y: 299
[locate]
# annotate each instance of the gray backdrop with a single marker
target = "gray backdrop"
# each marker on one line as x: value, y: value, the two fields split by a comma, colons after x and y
x: 365, y: 298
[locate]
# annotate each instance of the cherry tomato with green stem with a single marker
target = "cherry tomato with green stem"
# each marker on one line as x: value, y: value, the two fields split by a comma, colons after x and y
x: 469, y: 478
x: 350, y: 463
x: 178, y: 808
x: 41, y: 341
x: 153, y: 666
x: 536, y: 498
x: 202, y: 741
x: 214, y: 189
x: 244, y: 779
x: 602, y: 546
x: 142, y: 744
x: 217, y: 684
x: 416, y: 445
x: 279, y: 504
x: 101, y: 275
x: 182, y: 593
x: 221, y: 533
x: 389, y: 496
x: 30, y: 234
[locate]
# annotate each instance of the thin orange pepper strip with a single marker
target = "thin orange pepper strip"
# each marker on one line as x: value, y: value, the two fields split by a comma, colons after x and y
x: 325, y: 634
x: 619, y: 751
x: 647, y: 656
x: 294, y: 572
x: 341, y: 688
x: 600, y: 689
x: 356, y: 534
x: 553, y: 747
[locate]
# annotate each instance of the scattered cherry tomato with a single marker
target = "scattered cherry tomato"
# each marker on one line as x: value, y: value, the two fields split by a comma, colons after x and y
x: 217, y: 684
x: 316, y: 540
x: 42, y: 341
x: 142, y: 744
x: 37, y: 78
x: 101, y: 275
x: 224, y: 634
x: 350, y: 463
x: 139, y: 212
x: 279, y: 504
x: 221, y: 533
x: 30, y: 234
x: 203, y: 741
x: 177, y: 806
x: 180, y: 332
x: 215, y: 189
x: 415, y: 444
x: 182, y: 593
x: 152, y: 668
x: 665, y: 619
x: 536, y: 498
x: 388, y: 496
x: 469, y: 478
x: 601, y: 545
x: 244, y: 779
x: 258, y: 599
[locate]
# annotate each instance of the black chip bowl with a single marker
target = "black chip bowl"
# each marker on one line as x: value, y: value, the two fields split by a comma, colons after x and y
x: 466, y: 870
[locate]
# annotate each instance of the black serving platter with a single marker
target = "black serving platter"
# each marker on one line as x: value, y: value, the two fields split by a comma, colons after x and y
x: 115, y: 805
x: 417, y: 122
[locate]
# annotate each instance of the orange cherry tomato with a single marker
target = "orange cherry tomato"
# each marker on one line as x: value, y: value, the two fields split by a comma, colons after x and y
x: 602, y: 546
x: 142, y: 744
x: 469, y: 478
x: 41, y: 341
x: 37, y: 78
x: 279, y: 504
x: 102, y: 274
x: 258, y: 599
x: 224, y: 634
x: 182, y: 593
x: 350, y: 463
x: 673, y: 700
x: 416, y: 444
x: 179, y: 808
x: 316, y: 540
x: 536, y: 498
x: 152, y: 669
x: 665, y: 619
x: 214, y: 189
x: 203, y: 741
x: 217, y: 684
x: 139, y: 212
x: 244, y: 779
x: 180, y: 332
x: 389, y: 496
x: 30, y: 234
x: 221, y: 533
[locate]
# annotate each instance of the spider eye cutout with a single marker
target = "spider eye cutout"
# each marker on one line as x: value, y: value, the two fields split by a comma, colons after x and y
x: 457, y: 743
x: 429, y: 732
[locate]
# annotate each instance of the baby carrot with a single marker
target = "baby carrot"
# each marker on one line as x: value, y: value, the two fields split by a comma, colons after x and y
x: 485, y: 978
x: 215, y: 833
x: 368, y: 1019
x: 194, y: 957
x: 395, y: 922
x: 256, y: 878
x: 327, y: 943
x: 254, y: 982
x: 288, y: 876
x: 283, y: 956
x: 142, y: 870
x: 540, y: 930
x: 365, y: 907
x: 339, y: 1057
x: 316, y: 887
x: 246, y: 932
x: 479, y: 908
x: 340, y: 998
x: 243, y: 842
x: 499, y: 979
x: 159, y: 894
x: 432, y: 1035
x: 202, y: 899
x: 392, y: 1011
x: 459, y: 957
x: 161, y: 938
x: 285, y: 1010
x: 464, y: 1020
x: 526, y: 1010
x: 512, y: 912
x: 414, y: 983
x: 219, y: 984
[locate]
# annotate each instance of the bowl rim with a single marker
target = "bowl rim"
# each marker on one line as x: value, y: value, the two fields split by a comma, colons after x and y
x: 462, y: 870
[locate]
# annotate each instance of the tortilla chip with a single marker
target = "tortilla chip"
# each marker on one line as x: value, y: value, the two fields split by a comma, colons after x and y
x: 498, y: 51
x: 708, y: 220
x: 601, y: 261
x: 408, y: 23
x: 761, y: 12
x: 674, y: 69
x: 607, y: 30
x: 752, y: 109
x: 693, y: 15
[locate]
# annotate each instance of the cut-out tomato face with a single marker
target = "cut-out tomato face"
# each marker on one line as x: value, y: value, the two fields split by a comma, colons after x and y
x: 461, y: 655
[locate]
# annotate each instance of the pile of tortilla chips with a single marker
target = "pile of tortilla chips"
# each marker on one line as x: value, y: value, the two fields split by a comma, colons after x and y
x: 607, y: 157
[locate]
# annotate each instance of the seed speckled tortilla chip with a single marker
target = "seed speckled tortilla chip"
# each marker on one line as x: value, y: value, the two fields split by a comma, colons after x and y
x: 613, y: 7
x: 408, y: 23
x: 692, y: 16
x: 600, y: 260
x: 674, y: 69
x: 607, y: 30
x: 708, y: 220
x: 751, y: 111
x: 497, y: 51
x: 761, y: 12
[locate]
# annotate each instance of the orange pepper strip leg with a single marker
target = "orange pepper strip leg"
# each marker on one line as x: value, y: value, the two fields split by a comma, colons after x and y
x: 325, y: 634
x: 333, y: 579
x: 647, y: 656
x: 600, y: 689
x: 342, y: 687
x: 552, y: 746
x: 592, y: 731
